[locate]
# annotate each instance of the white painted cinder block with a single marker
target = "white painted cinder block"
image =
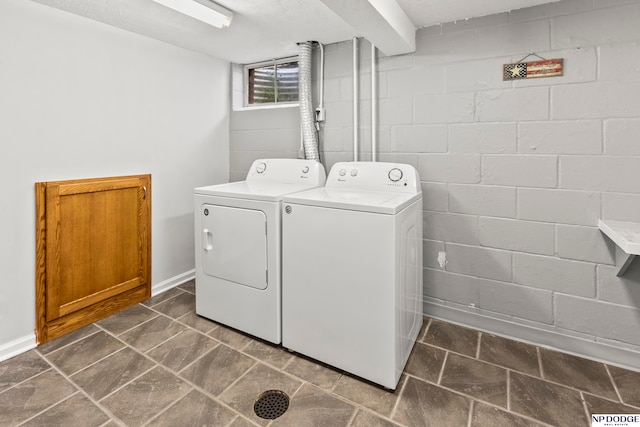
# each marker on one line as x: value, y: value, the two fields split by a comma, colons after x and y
x: 555, y: 274
x: 584, y: 244
x: 620, y: 61
x: 276, y: 118
x: 600, y: 173
x: 522, y: 170
x: 450, y: 287
x: 498, y: 138
x: 430, y: 253
x: 514, y: 235
x: 395, y: 62
x: 339, y: 114
x: 332, y: 90
x: 518, y: 301
x: 513, y: 105
x: 560, y: 8
x: 419, y: 139
x: 623, y: 289
x: 336, y: 139
x: 488, y: 42
x: 478, y: 261
x: 435, y: 196
x: 346, y: 88
x: 394, y: 111
x: 453, y: 168
x: 595, y: 100
x: 562, y: 137
x: 408, y: 158
x: 264, y: 139
x: 559, y: 206
x: 621, y: 136
x: 450, y: 108
x: 598, y: 318
x: 483, y: 74
x: 449, y: 227
x: 621, y: 207
x: 483, y: 200
x: 601, y: 26
x: 416, y: 81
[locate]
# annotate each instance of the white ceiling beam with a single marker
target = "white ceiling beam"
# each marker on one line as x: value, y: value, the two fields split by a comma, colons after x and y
x: 382, y: 22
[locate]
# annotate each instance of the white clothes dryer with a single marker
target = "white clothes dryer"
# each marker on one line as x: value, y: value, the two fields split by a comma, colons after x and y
x: 352, y: 269
x: 238, y: 245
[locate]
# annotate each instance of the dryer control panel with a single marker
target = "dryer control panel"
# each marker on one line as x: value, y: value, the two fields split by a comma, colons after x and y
x: 375, y: 176
x: 287, y: 171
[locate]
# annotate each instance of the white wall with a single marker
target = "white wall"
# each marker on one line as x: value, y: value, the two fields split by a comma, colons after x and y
x: 515, y: 174
x: 79, y: 99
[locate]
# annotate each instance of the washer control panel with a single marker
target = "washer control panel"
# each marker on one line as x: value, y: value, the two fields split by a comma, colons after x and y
x: 290, y: 171
x: 375, y: 176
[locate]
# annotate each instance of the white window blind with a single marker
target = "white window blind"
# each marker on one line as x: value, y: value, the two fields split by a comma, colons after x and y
x: 272, y: 82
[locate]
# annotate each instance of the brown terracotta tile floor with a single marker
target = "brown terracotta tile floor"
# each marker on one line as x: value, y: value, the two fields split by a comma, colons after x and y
x: 159, y: 364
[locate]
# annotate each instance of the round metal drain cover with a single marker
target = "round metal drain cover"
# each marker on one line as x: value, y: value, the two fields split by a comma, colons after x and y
x: 271, y: 404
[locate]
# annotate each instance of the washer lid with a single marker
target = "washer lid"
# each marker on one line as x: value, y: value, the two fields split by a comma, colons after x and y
x: 382, y: 202
x: 265, y: 191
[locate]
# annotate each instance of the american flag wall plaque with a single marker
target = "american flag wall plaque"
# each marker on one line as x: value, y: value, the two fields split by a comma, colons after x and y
x: 533, y: 70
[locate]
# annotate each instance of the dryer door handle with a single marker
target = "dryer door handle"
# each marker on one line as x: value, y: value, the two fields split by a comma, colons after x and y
x: 207, y: 240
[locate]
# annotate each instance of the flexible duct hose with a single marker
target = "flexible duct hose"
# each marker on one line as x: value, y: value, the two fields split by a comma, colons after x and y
x: 307, y: 113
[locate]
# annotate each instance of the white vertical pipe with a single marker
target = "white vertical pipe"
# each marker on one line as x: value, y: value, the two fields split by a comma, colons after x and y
x: 321, y: 103
x: 374, y: 105
x: 356, y: 123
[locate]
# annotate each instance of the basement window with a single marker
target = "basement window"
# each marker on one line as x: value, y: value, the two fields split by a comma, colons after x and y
x: 271, y: 82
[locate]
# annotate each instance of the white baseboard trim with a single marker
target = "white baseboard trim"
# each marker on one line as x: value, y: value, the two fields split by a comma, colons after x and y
x: 15, y: 347
x: 172, y: 282
x: 593, y: 350
x: 26, y: 343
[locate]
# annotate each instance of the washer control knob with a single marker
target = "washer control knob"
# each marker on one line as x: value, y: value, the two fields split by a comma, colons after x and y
x: 354, y: 172
x: 305, y: 169
x: 261, y: 167
x: 342, y: 172
x: 395, y: 174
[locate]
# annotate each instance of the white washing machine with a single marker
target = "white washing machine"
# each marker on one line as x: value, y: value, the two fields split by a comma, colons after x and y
x: 238, y: 245
x: 352, y: 269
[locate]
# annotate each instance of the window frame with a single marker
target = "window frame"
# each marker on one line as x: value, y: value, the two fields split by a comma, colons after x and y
x: 275, y: 63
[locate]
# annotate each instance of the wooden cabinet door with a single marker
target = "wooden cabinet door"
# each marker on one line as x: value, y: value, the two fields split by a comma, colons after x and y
x: 93, y: 252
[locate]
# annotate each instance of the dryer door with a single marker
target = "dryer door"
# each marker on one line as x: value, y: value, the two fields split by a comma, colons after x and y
x: 234, y: 245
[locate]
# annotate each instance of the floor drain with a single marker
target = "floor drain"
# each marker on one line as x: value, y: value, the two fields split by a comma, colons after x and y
x: 271, y: 404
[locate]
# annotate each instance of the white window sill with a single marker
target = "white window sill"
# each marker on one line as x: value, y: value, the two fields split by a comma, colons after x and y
x: 267, y: 107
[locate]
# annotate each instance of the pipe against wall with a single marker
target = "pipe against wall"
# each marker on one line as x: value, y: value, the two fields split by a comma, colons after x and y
x: 374, y: 105
x: 355, y: 100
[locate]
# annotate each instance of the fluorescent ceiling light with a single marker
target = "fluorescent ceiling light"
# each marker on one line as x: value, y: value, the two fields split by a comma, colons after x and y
x: 211, y: 14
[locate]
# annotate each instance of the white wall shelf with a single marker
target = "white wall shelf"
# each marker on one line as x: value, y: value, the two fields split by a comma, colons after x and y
x: 627, y: 236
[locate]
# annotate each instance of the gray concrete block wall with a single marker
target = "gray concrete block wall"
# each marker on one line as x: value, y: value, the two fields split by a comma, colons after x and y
x: 515, y: 174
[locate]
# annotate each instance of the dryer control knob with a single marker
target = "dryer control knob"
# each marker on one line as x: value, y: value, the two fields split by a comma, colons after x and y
x: 395, y: 174
x: 305, y: 169
x: 261, y: 167
x: 354, y: 172
x: 342, y: 172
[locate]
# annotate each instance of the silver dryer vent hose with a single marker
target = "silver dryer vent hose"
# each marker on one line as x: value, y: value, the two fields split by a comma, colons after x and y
x: 307, y: 113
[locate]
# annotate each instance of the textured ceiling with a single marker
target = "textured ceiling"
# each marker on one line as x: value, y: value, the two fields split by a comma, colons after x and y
x: 265, y: 29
